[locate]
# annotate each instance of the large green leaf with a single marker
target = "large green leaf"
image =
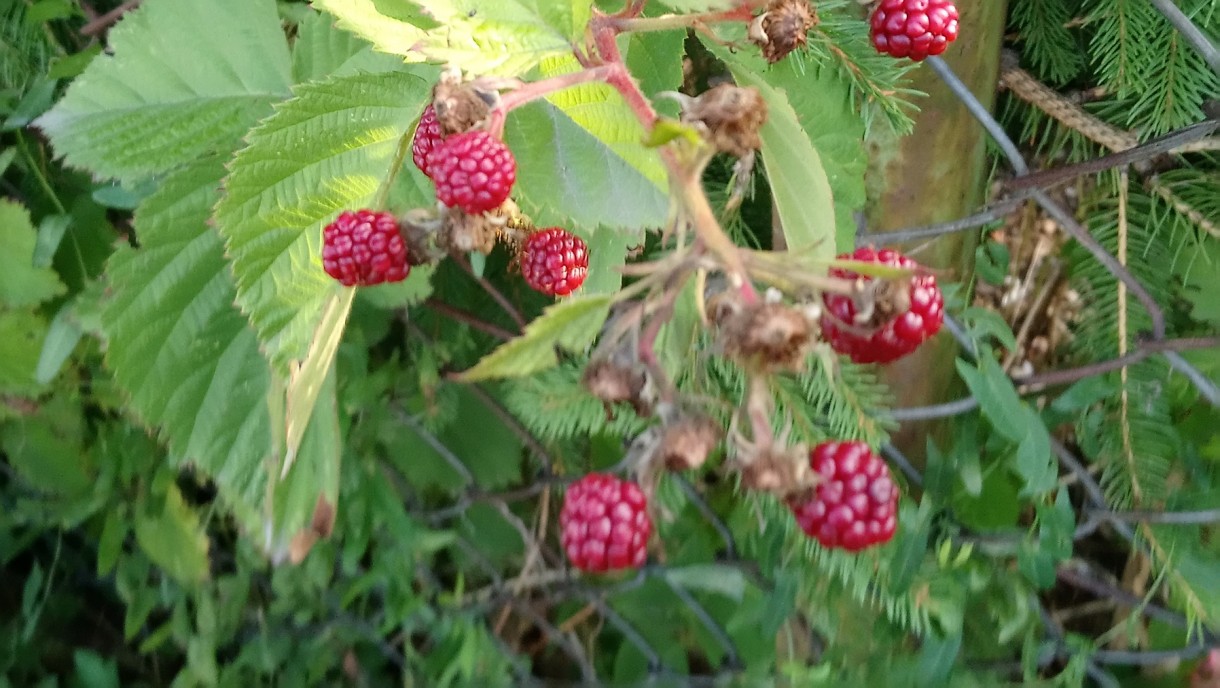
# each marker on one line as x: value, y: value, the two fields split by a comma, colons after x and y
x: 191, y: 365
x: 22, y: 284
x: 823, y: 104
x: 185, y: 79
x: 567, y: 175
x: 179, y: 348
x: 799, y: 185
x: 325, y: 150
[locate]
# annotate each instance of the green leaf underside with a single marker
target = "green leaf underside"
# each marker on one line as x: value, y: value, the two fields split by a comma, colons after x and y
x: 571, y: 324
x: 601, y: 111
x: 581, y: 181
x: 22, y: 284
x: 799, y: 184
x: 171, y: 92
x: 325, y: 150
x: 314, y: 475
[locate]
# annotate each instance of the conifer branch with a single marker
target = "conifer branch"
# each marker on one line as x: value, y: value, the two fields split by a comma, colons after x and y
x: 1197, y: 39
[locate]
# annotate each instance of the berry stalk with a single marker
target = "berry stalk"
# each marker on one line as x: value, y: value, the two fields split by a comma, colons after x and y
x: 400, y: 155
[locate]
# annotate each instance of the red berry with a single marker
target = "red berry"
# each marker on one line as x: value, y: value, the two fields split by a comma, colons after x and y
x: 914, y: 28
x: 856, y: 503
x: 427, y: 137
x: 605, y: 523
x: 473, y: 171
x: 901, y: 333
x: 364, y: 248
x: 555, y: 261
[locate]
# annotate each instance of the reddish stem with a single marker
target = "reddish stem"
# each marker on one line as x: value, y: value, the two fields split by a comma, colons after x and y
x: 535, y: 90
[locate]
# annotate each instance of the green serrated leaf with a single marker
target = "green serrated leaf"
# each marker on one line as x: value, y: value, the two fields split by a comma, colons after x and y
x: 655, y: 61
x: 174, y: 539
x: 21, y: 283
x: 325, y: 150
x: 600, y: 110
x: 572, y: 324
x: 799, y: 185
x: 395, y: 32
x: 171, y: 317
x: 171, y: 92
x: 503, y: 38
x: 322, y: 49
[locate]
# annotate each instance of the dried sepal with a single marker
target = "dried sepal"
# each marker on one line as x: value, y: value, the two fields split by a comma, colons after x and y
x: 729, y: 116
x: 783, y: 28
x: 687, y: 442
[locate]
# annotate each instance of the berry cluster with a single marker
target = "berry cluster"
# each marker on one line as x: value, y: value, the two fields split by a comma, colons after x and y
x: 474, y: 173
x: 855, y: 503
x: 888, y: 329
x: 913, y: 28
x: 364, y: 248
x: 554, y: 261
x: 605, y: 524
